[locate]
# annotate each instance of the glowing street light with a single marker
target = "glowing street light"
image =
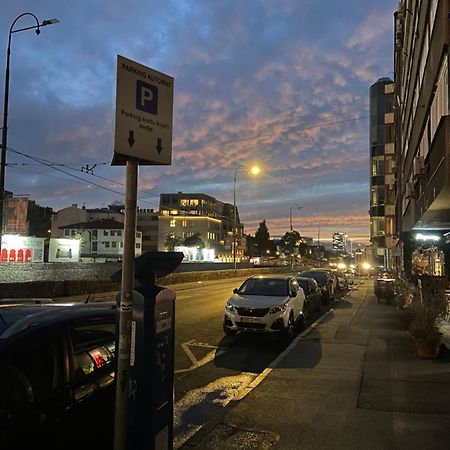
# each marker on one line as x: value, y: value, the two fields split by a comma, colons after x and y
x: 255, y: 171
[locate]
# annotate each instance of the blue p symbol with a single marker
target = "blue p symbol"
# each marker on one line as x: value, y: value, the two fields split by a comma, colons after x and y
x: 146, y: 97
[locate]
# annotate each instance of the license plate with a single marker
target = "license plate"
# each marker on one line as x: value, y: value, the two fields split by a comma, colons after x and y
x: 251, y: 320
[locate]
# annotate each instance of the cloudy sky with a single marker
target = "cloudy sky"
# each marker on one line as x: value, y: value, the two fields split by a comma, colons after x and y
x: 281, y: 83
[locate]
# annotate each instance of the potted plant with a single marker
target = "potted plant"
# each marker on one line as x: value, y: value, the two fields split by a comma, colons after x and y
x: 428, y: 304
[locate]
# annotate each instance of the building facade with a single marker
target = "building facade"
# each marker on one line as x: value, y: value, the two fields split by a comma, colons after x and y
x: 422, y: 133
x: 147, y: 222
x: 185, y: 214
x: 382, y: 172
x: 100, y: 239
x: 73, y: 214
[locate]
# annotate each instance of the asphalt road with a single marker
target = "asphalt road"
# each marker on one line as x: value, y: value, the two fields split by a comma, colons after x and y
x: 210, y: 367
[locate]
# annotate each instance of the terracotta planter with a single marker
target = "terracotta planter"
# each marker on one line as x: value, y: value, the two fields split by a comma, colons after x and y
x: 427, y: 350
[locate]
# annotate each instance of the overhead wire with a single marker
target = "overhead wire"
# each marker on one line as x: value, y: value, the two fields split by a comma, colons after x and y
x: 53, y: 166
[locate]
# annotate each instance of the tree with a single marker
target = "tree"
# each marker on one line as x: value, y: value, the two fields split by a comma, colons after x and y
x: 290, y: 241
x: 194, y: 241
x: 171, y: 242
x: 39, y: 220
x: 262, y: 238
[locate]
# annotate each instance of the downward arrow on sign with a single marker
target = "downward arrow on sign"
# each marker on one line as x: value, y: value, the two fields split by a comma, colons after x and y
x: 159, y: 146
x: 130, y: 139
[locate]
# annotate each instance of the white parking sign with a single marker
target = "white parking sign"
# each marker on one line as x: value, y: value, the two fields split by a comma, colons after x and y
x: 144, y: 114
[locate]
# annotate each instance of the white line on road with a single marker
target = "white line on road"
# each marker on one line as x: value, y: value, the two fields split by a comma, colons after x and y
x: 196, y: 363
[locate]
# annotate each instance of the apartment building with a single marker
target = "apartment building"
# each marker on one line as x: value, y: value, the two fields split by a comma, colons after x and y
x: 100, y: 239
x: 422, y: 120
x: 382, y: 172
x: 185, y: 214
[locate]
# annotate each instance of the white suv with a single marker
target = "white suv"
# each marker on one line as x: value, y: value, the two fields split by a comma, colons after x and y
x: 266, y: 304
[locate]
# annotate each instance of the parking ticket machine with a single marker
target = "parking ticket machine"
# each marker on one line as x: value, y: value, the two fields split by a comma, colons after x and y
x: 150, y: 390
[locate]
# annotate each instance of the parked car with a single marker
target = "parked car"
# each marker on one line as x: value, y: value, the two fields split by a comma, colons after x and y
x: 57, y: 385
x: 343, y: 284
x: 266, y: 304
x: 312, y: 293
x: 326, y: 281
x: 350, y: 274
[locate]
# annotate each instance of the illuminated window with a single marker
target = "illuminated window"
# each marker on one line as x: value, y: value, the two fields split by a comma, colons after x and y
x: 184, y: 202
x: 174, y: 212
x: 184, y: 223
x: 173, y: 223
x: 165, y: 212
x: 194, y: 202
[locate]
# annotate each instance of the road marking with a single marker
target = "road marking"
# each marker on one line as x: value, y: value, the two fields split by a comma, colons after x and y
x: 196, y: 363
x: 247, y: 389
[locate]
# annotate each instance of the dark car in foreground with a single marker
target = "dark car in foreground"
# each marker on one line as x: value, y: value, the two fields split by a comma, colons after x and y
x: 324, y: 279
x: 57, y: 385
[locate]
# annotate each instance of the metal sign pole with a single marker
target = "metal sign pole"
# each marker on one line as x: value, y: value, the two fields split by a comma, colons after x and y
x: 126, y: 308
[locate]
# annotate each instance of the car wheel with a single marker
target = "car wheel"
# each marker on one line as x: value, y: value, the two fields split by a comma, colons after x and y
x: 288, y: 331
x: 228, y: 331
x: 319, y: 305
x: 305, y: 316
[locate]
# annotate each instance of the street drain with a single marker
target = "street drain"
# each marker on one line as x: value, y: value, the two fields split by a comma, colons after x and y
x: 230, y: 437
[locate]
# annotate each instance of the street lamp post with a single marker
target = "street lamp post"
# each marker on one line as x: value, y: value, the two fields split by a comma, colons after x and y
x: 295, y: 205
x: 36, y: 27
x: 254, y: 171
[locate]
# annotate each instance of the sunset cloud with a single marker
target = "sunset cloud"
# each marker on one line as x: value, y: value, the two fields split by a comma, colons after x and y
x: 282, y: 83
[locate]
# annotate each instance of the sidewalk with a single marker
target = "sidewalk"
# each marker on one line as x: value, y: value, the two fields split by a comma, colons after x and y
x: 353, y: 382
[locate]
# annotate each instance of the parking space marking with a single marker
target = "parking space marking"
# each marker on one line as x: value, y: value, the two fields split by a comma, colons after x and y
x: 196, y: 363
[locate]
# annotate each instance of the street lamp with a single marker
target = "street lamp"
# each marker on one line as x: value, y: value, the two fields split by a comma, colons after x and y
x: 294, y: 205
x: 255, y: 170
x: 36, y: 27
x: 290, y: 213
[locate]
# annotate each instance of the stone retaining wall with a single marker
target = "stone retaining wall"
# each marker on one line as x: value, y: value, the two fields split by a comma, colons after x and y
x: 49, y: 280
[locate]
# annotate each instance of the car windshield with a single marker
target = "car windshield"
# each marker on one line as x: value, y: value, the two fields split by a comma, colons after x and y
x: 264, y: 286
x: 320, y: 277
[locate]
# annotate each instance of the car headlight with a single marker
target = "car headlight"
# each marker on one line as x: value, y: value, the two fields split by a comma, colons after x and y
x: 276, y: 309
x: 230, y: 307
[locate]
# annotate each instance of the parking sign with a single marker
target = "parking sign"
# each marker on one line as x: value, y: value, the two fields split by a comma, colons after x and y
x: 144, y: 114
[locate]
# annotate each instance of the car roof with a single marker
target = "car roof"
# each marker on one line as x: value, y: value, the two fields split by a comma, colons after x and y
x: 272, y: 277
x: 306, y: 279
x: 16, y: 318
x: 314, y: 270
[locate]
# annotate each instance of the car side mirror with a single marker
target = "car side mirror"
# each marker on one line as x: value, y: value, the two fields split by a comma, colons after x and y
x: 235, y: 290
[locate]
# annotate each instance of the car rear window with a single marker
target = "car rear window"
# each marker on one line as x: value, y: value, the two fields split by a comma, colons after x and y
x: 264, y: 286
x: 320, y: 277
